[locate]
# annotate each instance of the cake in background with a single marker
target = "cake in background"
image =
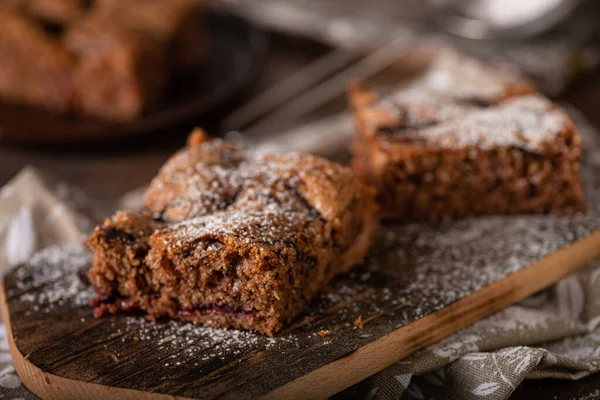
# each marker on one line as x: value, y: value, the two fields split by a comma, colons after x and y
x: 108, y: 59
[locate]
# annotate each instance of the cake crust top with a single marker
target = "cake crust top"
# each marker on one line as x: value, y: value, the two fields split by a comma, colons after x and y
x: 211, y: 176
x: 528, y: 122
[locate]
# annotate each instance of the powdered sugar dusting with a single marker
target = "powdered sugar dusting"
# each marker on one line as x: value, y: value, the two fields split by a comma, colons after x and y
x: 448, y: 107
x: 60, y: 272
x: 527, y: 122
x: 458, y: 76
x: 413, y: 271
x: 215, y: 176
x: 198, y: 342
x: 267, y: 226
x: 590, y: 396
x: 420, y: 107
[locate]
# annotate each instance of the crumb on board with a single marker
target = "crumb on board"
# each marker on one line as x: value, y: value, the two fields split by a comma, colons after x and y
x: 322, y: 333
x: 358, y: 322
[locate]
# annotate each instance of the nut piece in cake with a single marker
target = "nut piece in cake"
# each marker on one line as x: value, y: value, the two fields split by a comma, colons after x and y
x: 229, y: 237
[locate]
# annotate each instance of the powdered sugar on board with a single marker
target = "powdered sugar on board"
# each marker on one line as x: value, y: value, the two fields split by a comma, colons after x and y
x: 58, y: 270
x: 414, y: 270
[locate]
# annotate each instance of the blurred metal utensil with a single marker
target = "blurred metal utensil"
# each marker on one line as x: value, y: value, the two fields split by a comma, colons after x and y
x: 286, y: 89
x: 373, y: 63
x: 288, y: 101
x: 484, y: 19
x: 325, y: 137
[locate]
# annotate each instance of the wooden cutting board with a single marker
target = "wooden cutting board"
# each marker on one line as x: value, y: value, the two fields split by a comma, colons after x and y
x: 420, y: 285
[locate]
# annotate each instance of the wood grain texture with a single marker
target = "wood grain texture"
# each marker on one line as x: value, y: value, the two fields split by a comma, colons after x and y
x: 55, y: 387
x: 420, y: 285
x: 432, y: 328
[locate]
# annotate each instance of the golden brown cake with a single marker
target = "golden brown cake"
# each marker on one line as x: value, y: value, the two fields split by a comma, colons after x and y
x: 436, y: 156
x: 233, y: 238
x: 119, y: 74
x: 108, y: 59
x: 41, y: 81
x: 176, y: 24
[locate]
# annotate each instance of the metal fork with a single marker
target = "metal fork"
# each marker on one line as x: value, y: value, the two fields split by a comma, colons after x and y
x: 264, y: 118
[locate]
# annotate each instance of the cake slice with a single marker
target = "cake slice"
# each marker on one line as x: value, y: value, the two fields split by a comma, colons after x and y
x: 119, y: 74
x: 436, y: 157
x: 453, y: 74
x: 451, y: 84
x: 44, y: 81
x: 127, y: 51
x: 176, y: 24
x: 54, y: 12
x: 233, y: 238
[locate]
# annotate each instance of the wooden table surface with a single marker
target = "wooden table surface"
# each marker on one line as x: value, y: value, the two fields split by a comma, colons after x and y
x: 109, y: 170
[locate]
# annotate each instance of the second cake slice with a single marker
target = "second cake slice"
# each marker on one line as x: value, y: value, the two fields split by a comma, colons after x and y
x: 434, y: 157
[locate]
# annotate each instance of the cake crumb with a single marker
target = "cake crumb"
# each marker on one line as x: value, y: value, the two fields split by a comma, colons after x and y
x: 136, y: 339
x: 358, y: 322
x: 322, y: 333
x: 197, y: 137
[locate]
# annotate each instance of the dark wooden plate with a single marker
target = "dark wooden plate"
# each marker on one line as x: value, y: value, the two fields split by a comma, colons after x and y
x: 236, y: 49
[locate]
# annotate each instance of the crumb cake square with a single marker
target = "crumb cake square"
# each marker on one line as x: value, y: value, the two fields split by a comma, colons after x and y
x: 436, y: 156
x: 451, y: 84
x: 233, y: 238
x: 45, y: 81
x: 113, y: 79
x: 57, y: 11
x: 176, y: 24
x: 109, y: 59
x: 127, y: 51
